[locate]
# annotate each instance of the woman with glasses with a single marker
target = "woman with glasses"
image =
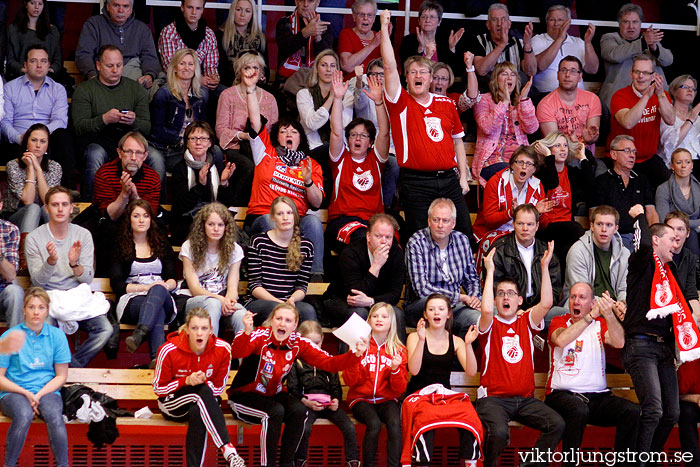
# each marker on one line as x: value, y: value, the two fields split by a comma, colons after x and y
x: 176, y: 105
x: 198, y: 179
x: 512, y: 186
x: 444, y: 78
x: 685, y: 131
x: 232, y: 115
x: 504, y: 117
x: 239, y: 33
x: 428, y: 42
x: 681, y: 192
x: 359, y: 45
x: 357, y: 166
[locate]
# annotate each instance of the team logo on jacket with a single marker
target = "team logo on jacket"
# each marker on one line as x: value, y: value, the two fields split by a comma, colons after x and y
x: 663, y: 295
x: 363, y: 181
x: 289, y: 356
x: 686, y: 336
x: 433, y: 128
x: 210, y: 371
x: 511, y: 350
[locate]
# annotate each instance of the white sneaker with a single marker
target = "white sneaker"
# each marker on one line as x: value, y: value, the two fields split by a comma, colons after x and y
x: 234, y: 460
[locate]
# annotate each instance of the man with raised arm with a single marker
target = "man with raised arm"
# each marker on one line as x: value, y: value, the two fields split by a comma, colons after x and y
x: 427, y: 134
x: 507, y: 390
x: 576, y: 386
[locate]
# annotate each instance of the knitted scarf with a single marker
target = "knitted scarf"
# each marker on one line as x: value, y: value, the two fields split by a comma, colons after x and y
x: 667, y: 298
x: 325, y: 131
x: 191, y: 38
x: 289, y: 157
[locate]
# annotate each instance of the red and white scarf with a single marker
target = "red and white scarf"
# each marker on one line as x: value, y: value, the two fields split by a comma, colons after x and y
x: 667, y: 298
x: 294, y: 62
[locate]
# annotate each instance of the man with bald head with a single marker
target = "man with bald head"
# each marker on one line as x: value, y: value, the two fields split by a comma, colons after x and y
x: 576, y: 386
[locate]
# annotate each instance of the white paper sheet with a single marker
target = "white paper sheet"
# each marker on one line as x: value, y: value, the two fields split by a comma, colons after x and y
x: 353, y: 330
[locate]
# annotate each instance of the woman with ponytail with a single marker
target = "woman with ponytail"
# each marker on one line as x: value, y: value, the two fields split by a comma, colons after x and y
x: 279, y: 264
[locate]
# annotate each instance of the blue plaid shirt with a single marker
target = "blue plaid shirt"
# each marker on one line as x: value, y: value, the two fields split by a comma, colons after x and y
x: 429, y: 273
x: 9, y: 247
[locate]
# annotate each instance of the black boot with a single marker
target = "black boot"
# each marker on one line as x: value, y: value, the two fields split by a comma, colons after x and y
x: 134, y: 340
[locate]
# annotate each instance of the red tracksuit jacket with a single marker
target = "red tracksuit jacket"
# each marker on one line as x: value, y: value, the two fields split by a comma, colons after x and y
x: 371, y: 379
x: 175, y: 362
x: 435, y: 407
x: 266, y: 373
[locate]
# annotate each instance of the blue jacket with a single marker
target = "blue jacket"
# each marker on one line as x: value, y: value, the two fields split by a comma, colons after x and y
x: 168, y: 116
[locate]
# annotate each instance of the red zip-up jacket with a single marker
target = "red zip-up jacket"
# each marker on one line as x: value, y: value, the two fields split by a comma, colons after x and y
x: 176, y: 361
x: 270, y: 360
x: 372, y: 380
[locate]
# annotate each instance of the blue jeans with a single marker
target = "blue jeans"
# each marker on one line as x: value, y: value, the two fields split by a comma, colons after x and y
x: 12, y: 303
x: 17, y: 407
x: 152, y: 311
x: 29, y: 217
x: 263, y: 308
x: 311, y: 229
x: 462, y: 316
x: 651, y: 366
x: 213, y: 307
x: 99, y: 330
x: 96, y: 157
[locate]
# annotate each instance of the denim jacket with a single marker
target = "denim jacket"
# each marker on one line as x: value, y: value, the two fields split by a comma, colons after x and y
x: 168, y: 116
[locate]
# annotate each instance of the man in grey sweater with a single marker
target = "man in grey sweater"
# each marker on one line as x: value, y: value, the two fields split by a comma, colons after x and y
x: 118, y: 26
x: 60, y: 256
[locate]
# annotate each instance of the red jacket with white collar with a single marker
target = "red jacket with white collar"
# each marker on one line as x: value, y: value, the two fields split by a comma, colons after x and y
x: 176, y: 361
x: 498, y: 199
x: 372, y: 380
x: 269, y: 360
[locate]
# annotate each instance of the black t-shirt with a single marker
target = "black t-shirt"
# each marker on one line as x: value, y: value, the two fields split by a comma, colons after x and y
x: 609, y: 189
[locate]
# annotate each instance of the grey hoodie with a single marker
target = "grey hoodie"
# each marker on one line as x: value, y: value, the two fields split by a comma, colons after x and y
x: 133, y: 38
x: 580, y: 265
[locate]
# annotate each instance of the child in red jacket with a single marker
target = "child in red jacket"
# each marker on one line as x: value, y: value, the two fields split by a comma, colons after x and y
x: 191, y: 373
x: 257, y: 394
x: 376, y: 382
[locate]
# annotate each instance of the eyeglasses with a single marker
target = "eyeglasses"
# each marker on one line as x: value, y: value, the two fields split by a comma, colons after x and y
x: 429, y: 17
x: 418, y: 72
x: 685, y: 86
x: 569, y: 71
x: 627, y: 151
x: 441, y: 79
x: 506, y: 293
x: 522, y: 163
x: 365, y: 15
x: 379, y: 74
x: 642, y: 73
x: 198, y: 139
x: 359, y: 136
x: 131, y: 152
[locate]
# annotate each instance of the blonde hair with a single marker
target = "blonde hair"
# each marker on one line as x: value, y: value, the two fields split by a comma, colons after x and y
x: 309, y: 327
x: 393, y: 343
x: 198, y: 312
x: 294, y: 256
x: 282, y: 306
x: 437, y: 66
x: 174, y: 84
x: 36, y: 292
x: 198, y: 237
x: 420, y: 61
x: 245, y: 59
x: 493, y: 83
x: 574, y: 146
x: 230, y: 32
x: 313, y: 78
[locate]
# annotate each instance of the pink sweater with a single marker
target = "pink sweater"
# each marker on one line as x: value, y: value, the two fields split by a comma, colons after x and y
x: 232, y: 115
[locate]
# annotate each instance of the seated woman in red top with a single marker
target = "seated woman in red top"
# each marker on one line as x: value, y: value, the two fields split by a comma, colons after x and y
x: 257, y: 394
x: 190, y: 375
x: 282, y: 168
x: 359, y: 45
x: 566, y: 175
x: 357, y: 166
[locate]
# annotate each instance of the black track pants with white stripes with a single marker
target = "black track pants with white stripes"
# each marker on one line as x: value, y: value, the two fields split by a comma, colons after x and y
x: 271, y: 412
x: 198, y: 406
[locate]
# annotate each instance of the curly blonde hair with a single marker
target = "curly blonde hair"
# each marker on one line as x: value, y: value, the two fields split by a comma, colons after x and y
x: 198, y: 238
x: 294, y: 255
